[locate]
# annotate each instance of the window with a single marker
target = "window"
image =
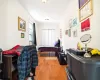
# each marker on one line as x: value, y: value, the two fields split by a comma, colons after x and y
x: 30, y: 33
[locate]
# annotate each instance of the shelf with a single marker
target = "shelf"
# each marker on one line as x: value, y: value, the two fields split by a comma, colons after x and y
x: 10, y: 65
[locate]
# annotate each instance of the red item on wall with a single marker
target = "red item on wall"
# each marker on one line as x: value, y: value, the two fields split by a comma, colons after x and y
x: 85, y: 25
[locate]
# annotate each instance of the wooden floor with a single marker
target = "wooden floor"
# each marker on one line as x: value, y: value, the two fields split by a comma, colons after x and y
x: 50, y: 69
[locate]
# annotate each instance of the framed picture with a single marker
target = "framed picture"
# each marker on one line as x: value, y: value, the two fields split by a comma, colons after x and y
x: 82, y: 3
x: 66, y: 32
x: 75, y: 22
x: 60, y: 33
x: 85, y: 25
x: 75, y: 33
x: 86, y: 10
x: 21, y: 24
x: 69, y: 32
x: 70, y: 23
x: 22, y: 35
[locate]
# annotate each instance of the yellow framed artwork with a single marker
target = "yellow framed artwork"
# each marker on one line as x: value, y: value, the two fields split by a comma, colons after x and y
x: 85, y: 10
x: 21, y: 24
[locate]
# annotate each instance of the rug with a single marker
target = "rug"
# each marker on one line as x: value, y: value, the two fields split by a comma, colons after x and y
x: 49, y: 54
x: 51, y: 58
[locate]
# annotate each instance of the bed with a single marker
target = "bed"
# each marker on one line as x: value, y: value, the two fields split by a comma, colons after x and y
x: 49, y: 49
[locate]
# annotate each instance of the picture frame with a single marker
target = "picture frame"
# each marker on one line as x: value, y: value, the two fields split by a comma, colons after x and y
x: 86, y: 10
x: 61, y: 33
x: 75, y: 33
x: 82, y: 3
x: 22, y: 35
x: 85, y: 25
x: 70, y: 23
x: 21, y: 24
x: 69, y: 32
x: 66, y: 32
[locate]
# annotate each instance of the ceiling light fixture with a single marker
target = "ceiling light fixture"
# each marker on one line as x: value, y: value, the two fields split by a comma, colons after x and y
x: 44, y: 1
x: 47, y: 19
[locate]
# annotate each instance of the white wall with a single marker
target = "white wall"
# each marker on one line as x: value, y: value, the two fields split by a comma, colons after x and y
x: 3, y: 23
x: 10, y: 26
x: 73, y: 12
x: 42, y: 26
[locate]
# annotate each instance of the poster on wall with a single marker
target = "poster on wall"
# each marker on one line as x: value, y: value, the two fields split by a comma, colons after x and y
x: 60, y: 33
x: 75, y: 33
x: 70, y: 23
x: 73, y: 22
x: 69, y: 32
x: 85, y: 25
x: 86, y: 11
x: 66, y: 32
x: 82, y: 3
x: 22, y: 35
x: 21, y: 24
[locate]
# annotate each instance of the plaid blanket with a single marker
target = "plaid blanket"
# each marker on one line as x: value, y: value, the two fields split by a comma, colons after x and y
x: 27, y: 60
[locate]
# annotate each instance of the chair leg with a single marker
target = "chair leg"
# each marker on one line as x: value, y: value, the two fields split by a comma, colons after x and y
x: 33, y: 71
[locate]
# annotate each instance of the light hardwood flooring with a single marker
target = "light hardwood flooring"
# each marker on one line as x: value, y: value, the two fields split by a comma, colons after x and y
x: 50, y: 69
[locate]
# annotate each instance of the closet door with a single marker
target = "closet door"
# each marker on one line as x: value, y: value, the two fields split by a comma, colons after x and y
x: 45, y: 37
x: 51, y: 37
x: 48, y: 37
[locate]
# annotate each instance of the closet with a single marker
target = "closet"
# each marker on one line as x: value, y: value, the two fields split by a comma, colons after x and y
x: 48, y: 37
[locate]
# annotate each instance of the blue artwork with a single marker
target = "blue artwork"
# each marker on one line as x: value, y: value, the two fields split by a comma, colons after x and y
x: 74, y: 22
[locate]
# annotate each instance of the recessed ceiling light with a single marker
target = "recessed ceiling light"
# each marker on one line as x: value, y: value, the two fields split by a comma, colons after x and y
x: 46, y: 19
x: 44, y: 1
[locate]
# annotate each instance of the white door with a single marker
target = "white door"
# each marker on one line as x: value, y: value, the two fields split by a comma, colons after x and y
x: 48, y: 37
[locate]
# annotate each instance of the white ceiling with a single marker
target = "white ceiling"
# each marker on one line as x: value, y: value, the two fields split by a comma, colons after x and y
x: 53, y: 9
